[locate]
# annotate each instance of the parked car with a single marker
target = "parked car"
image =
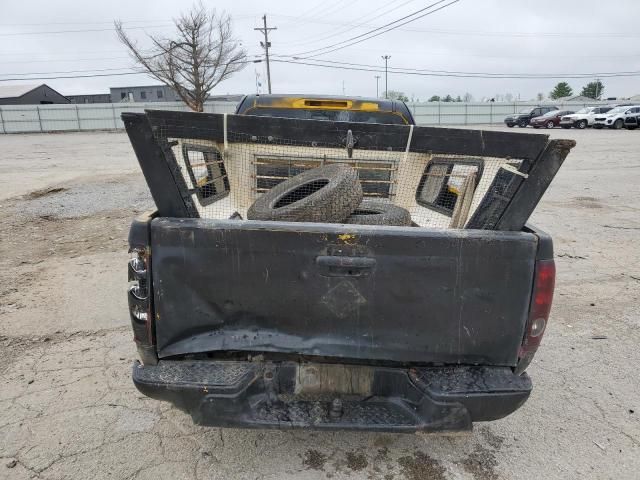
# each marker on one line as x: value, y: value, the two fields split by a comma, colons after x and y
x: 272, y: 323
x: 550, y: 119
x: 522, y: 118
x: 584, y: 117
x: 615, y: 117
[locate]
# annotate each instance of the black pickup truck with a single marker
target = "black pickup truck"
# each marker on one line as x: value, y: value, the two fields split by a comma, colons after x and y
x: 269, y: 324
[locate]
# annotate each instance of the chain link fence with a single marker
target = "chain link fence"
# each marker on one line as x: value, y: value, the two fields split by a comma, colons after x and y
x: 77, y: 117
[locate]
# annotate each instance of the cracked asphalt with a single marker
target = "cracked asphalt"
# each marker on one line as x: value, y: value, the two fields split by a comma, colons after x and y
x: 68, y: 408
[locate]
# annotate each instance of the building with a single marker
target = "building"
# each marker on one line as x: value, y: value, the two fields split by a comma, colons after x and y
x: 574, y: 98
x: 90, y: 98
x: 152, y: 93
x: 30, y: 95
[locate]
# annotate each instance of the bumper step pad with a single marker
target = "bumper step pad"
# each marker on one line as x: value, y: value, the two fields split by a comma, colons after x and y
x: 266, y: 395
x: 319, y: 414
x: 216, y: 375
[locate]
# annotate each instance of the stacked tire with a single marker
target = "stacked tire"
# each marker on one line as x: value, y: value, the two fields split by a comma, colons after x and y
x: 328, y: 194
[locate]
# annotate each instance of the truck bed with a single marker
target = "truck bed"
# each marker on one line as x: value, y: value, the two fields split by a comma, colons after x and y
x: 327, y: 325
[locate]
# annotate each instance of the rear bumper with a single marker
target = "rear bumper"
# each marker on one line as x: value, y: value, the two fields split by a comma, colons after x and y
x: 333, y: 397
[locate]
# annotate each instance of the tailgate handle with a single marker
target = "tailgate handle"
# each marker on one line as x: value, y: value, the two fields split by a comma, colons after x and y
x: 341, y: 266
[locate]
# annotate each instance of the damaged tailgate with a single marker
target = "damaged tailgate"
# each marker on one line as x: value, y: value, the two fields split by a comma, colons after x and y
x: 397, y: 294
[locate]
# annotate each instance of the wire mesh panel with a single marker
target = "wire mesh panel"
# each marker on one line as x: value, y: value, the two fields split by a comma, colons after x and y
x: 230, y: 173
x: 439, y: 191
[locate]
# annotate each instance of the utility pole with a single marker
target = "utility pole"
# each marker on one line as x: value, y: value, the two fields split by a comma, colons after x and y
x: 377, y: 80
x: 266, y: 44
x: 386, y: 74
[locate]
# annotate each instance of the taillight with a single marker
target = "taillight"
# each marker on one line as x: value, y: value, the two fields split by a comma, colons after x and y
x: 140, y: 305
x: 544, y: 282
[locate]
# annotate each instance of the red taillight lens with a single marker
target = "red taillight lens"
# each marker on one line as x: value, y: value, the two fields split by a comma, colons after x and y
x: 544, y: 283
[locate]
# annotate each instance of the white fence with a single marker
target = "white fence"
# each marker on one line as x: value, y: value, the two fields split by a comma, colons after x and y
x: 106, y: 116
x: 95, y: 116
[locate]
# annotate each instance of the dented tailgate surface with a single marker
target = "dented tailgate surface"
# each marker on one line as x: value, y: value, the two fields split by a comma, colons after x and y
x: 394, y: 294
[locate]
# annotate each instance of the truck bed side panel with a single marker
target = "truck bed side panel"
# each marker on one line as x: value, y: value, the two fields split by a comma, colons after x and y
x: 393, y: 294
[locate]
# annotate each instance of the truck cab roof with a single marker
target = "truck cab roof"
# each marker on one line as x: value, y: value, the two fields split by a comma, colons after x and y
x: 327, y: 107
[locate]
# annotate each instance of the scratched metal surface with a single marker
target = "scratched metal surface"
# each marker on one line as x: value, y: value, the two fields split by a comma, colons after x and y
x: 427, y: 296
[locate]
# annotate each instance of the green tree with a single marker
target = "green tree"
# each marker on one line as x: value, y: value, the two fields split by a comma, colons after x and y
x: 562, y: 89
x: 435, y: 98
x: 458, y: 99
x: 448, y: 98
x: 593, y: 89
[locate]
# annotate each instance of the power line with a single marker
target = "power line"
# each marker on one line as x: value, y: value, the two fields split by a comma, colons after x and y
x: 487, y: 74
x: 36, y: 24
x: 371, y: 31
x: 444, y: 73
x: 73, y: 76
x: 71, y: 71
x: 315, y: 10
x: 377, y: 69
x: 89, y: 30
x: 66, y: 60
x: 385, y: 31
x: 78, y: 23
x: 480, y: 33
x: 96, y: 74
x: 340, y: 31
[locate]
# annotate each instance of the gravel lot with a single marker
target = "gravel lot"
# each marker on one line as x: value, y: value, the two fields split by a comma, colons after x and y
x: 69, y: 410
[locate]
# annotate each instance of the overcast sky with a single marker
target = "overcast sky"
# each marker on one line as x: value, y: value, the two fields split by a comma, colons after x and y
x: 496, y: 36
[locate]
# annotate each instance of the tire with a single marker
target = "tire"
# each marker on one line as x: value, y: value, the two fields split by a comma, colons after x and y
x: 617, y: 125
x: 326, y: 194
x: 523, y: 124
x: 510, y: 125
x: 582, y: 124
x: 550, y: 124
x: 375, y: 212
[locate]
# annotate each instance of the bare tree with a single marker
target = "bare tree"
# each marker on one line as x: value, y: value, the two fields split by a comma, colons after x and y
x: 203, y: 53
